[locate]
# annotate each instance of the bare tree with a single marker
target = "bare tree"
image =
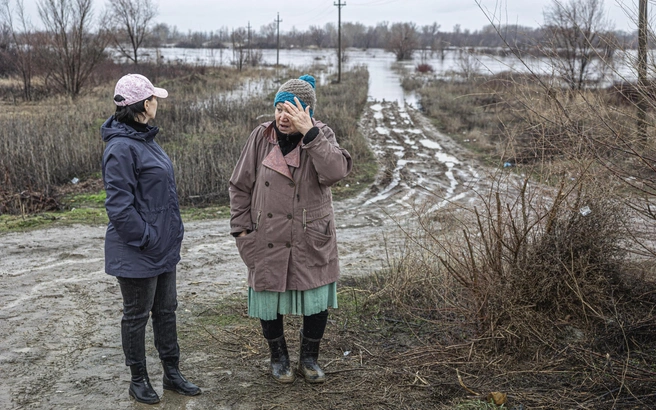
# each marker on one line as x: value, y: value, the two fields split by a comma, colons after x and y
x: 159, y: 35
x: 351, y: 33
x: 131, y: 19
x: 298, y: 37
x: 575, y: 29
x: 318, y: 36
x: 22, y: 46
x: 429, y: 41
x: 331, y: 34
x: 239, y: 39
x: 268, y: 34
x: 403, y: 40
x: 73, y: 49
x: 429, y: 35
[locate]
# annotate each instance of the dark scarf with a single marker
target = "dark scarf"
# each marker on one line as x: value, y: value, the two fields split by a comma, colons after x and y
x: 138, y: 126
x: 287, y: 142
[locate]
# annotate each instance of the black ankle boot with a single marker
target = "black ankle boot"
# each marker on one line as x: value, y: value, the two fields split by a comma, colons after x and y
x: 140, y: 388
x: 307, y: 361
x: 280, y: 367
x: 175, y: 381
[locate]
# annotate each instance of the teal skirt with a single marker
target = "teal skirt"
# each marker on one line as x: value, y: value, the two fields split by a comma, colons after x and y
x: 266, y: 305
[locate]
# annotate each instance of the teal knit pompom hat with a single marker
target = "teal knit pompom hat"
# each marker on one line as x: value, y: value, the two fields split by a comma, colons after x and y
x: 301, y: 88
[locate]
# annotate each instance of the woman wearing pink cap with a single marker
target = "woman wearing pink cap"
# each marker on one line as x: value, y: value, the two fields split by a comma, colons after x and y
x: 144, y: 234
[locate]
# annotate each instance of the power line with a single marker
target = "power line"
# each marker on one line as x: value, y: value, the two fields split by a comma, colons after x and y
x: 312, y: 11
x: 375, y: 3
x: 323, y: 12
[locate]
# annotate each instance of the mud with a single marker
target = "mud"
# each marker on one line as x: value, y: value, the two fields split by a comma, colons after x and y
x: 60, y: 313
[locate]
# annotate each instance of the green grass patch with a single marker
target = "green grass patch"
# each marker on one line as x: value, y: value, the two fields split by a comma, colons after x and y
x: 85, y: 215
x: 89, y: 209
x: 209, y: 212
x: 88, y: 200
x: 82, y: 208
x: 356, y: 183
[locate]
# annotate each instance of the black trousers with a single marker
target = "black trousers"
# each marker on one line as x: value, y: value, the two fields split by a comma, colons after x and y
x: 141, y: 298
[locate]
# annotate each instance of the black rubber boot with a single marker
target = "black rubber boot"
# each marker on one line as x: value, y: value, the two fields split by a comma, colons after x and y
x: 280, y: 367
x: 307, y: 362
x: 140, y: 388
x: 174, y: 380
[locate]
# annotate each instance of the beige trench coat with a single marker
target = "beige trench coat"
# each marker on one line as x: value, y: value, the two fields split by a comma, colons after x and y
x: 286, y: 203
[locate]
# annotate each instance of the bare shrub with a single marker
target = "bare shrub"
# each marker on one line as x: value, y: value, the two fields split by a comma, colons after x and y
x: 254, y: 58
x: 531, y: 279
x: 468, y: 64
x: 424, y: 68
x: 525, y: 259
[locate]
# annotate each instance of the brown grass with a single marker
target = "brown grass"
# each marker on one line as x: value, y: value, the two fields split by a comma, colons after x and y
x: 48, y: 143
x: 524, y: 283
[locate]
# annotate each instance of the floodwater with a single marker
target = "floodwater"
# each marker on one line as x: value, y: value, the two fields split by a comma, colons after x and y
x: 384, y: 82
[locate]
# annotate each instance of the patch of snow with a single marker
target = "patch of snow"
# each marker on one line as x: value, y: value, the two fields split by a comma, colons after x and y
x: 382, y: 131
x: 430, y: 144
x: 446, y: 158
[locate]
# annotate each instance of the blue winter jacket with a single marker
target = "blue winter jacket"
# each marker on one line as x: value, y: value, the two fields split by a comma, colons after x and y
x: 145, y: 230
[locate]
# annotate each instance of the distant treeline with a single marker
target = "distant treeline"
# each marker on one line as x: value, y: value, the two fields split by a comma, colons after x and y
x: 360, y: 36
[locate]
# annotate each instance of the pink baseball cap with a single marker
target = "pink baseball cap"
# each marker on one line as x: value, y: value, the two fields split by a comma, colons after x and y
x: 134, y: 88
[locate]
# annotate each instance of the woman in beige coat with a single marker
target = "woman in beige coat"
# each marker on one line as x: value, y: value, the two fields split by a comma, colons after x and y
x: 283, y: 221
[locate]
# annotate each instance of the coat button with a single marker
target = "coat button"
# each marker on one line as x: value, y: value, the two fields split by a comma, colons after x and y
x: 270, y: 215
x: 289, y: 216
x: 289, y: 245
x: 291, y: 184
x: 270, y: 245
x: 266, y: 183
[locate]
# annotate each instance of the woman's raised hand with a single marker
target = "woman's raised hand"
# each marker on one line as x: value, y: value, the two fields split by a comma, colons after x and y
x: 298, y: 116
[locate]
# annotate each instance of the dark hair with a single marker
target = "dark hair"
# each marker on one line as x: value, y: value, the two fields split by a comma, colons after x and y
x: 129, y: 113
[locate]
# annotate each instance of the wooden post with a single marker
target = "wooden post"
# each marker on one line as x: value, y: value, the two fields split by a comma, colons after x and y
x: 278, y: 21
x: 339, y: 5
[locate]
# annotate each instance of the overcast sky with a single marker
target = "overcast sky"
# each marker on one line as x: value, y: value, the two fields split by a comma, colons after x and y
x: 210, y: 15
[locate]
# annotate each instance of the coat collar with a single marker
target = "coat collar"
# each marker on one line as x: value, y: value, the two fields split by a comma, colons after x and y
x: 278, y: 162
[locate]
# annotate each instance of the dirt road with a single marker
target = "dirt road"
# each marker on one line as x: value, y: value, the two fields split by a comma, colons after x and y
x: 60, y: 313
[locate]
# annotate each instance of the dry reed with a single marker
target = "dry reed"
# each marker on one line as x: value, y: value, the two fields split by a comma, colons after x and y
x: 49, y: 143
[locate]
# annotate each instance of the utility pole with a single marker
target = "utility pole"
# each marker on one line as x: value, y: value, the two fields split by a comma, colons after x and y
x: 278, y: 21
x: 642, y: 70
x: 339, y: 5
x: 249, y: 44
